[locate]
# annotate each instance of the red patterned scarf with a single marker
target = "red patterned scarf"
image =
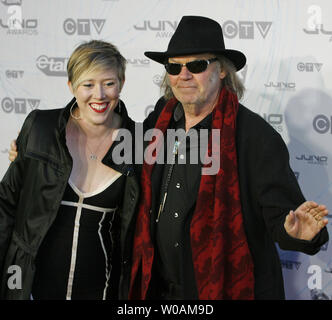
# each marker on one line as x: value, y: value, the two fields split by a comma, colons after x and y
x: 221, y: 257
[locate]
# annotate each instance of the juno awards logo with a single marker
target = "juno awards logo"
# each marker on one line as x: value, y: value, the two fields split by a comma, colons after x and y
x: 14, y: 23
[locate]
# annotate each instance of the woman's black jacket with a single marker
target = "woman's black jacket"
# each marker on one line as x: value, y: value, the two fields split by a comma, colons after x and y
x: 31, y: 192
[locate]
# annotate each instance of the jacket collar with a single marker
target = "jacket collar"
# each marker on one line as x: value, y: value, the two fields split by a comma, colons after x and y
x: 129, y: 125
x: 64, y: 117
x: 41, y: 145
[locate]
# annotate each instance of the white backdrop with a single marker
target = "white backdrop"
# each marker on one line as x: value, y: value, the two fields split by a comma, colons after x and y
x: 287, y: 76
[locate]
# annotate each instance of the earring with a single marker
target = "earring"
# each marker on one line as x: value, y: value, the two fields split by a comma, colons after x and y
x: 71, y: 112
x: 120, y: 102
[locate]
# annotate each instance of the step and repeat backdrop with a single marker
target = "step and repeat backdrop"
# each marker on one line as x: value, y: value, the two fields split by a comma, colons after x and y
x: 288, y: 78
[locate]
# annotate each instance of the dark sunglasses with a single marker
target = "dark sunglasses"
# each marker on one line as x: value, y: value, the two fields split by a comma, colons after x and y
x: 196, y: 66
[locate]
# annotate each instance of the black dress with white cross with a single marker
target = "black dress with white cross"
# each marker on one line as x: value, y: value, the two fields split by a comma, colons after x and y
x: 75, y: 260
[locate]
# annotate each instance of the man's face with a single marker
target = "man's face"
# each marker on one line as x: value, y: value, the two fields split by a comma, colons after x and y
x: 199, y: 89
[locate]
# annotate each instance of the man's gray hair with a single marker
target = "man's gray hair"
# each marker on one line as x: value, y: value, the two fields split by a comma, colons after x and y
x: 231, y: 81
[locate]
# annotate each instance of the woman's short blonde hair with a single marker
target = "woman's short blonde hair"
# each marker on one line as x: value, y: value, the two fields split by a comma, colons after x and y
x: 92, y: 56
x: 231, y: 80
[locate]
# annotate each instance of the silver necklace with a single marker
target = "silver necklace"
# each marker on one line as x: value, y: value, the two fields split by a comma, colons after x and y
x: 93, y: 154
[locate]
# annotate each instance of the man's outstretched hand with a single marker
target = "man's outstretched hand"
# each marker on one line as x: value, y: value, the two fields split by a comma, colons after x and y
x: 306, y: 221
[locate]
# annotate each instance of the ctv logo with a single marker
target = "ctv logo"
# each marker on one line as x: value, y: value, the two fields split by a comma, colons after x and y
x: 18, y: 105
x: 309, y: 66
x: 14, y: 74
x: 322, y: 124
x: 83, y: 26
x: 246, y: 29
x: 157, y: 80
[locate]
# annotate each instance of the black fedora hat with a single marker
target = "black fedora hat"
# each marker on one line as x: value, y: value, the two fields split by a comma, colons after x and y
x: 194, y: 35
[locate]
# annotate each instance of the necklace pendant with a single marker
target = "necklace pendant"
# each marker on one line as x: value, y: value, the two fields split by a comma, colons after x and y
x: 93, y: 156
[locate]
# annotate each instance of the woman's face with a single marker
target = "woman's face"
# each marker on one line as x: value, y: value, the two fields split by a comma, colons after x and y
x: 97, y: 94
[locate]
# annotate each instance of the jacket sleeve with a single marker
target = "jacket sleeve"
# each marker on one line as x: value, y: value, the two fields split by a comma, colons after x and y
x: 278, y: 192
x: 152, y: 118
x: 10, y: 188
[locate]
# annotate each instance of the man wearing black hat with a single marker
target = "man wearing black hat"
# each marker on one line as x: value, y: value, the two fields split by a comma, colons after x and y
x: 211, y: 236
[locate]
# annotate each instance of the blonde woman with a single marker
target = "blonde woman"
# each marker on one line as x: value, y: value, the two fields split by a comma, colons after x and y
x: 60, y: 200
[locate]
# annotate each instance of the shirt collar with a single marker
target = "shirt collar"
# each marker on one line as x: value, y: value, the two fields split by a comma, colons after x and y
x: 178, y: 116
